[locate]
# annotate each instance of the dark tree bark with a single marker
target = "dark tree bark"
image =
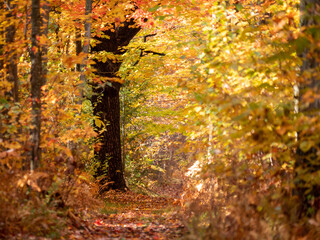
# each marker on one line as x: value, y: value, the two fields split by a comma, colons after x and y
x: 44, y: 29
x: 78, y: 46
x: 106, y: 103
x: 10, y: 54
x: 36, y: 83
x: 308, y: 159
x: 8, y: 63
x: 12, y: 70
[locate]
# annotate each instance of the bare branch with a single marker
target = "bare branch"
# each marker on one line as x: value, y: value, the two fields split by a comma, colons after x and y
x: 152, y: 52
x: 149, y: 35
x: 7, y: 5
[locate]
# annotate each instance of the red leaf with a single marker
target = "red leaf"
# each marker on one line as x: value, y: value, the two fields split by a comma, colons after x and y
x: 98, y: 222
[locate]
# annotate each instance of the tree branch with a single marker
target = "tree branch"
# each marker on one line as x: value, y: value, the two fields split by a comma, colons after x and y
x: 7, y: 5
x: 149, y: 35
x: 146, y: 52
x: 152, y: 52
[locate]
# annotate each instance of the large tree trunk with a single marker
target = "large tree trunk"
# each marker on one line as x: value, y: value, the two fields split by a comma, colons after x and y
x: 106, y: 103
x: 36, y: 83
x: 307, y: 164
x: 109, y: 154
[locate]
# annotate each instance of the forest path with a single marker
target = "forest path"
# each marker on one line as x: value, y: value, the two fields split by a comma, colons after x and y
x: 131, y: 215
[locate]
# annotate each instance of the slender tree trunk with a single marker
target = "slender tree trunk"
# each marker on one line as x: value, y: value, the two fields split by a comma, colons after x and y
x: 8, y: 63
x: 78, y: 46
x: 36, y: 83
x: 307, y: 157
x: 106, y: 103
x: 123, y: 131
x: 11, y: 56
x: 86, y: 44
x: 87, y: 27
x: 44, y: 30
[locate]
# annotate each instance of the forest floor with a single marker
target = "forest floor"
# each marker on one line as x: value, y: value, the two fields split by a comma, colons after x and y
x: 130, y: 215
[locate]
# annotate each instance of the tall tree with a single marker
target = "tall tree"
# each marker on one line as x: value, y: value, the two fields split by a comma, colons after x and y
x: 45, y: 28
x: 307, y: 160
x: 8, y: 62
x: 106, y: 104
x: 86, y: 43
x: 36, y: 83
x: 11, y: 56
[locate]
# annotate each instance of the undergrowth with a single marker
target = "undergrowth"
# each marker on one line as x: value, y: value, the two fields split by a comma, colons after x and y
x: 42, y: 205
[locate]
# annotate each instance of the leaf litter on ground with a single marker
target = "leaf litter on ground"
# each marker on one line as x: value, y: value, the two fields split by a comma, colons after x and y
x: 129, y: 215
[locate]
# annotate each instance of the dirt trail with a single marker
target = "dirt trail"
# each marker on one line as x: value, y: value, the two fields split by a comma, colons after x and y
x: 133, y: 216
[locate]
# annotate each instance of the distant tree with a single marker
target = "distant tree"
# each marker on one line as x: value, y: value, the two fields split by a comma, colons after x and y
x: 11, y: 56
x: 8, y: 64
x: 86, y: 43
x: 36, y: 83
x: 307, y: 158
x: 45, y: 30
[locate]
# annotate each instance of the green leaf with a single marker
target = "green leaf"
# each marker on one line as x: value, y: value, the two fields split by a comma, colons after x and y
x: 194, y: 67
x: 239, y: 7
x: 157, y: 168
x: 99, y: 123
x: 253, y: 106
x: 305, y: 146
x: 154, y: 9
x: 301, y: 44
x: 161, y: 17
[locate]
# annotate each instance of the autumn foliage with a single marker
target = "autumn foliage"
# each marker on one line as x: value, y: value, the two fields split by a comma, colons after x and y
x: 209, y: 107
